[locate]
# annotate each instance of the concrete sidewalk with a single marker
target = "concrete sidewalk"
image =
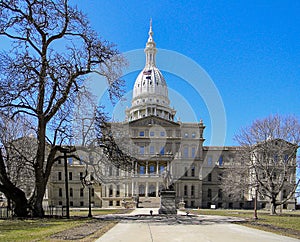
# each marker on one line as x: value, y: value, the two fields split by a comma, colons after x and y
x: 185, y: 228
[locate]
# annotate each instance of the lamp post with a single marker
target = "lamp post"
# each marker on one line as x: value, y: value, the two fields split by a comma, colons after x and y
x: 87, y: 182
x: 89, y: 185
x: 255, y: 202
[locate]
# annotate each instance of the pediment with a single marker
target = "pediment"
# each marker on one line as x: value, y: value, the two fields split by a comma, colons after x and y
x: 153, y: 120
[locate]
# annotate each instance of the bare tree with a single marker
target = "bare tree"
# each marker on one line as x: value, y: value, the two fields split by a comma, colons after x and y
x: 267, y: 159
x: 53, y: 48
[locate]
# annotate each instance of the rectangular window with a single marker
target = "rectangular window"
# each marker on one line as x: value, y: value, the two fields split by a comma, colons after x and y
x: 221, y: 160
x: 193, y: 135
x: 142, y: 170
x: 92, y: 192
x: 142, y: 150
x: 193, y: 152
x: 185, y: 152
x: 161, y: 169
x: 162, y: 133
x: 81, y: 192
x: 151, y: 151
x: 162, y: 150
x: 142, y: 133
x: 60, y: 192
x: 152, y: 133
x: 185, y: 171
x: 70, y: 161
x: 118, y: 191
x: 185, y: 190
x: 70, y: 176
x: 152, y: 169
x: 209, y: 177
x: 192, y: 190
x: 193, y: 171
x: 81, y: 204
x: 59, y: 176
x: 71, y: 192
x: 81, y: 175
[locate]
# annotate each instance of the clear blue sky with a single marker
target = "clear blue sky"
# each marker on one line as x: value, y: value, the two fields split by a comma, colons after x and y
x: 250, y: 49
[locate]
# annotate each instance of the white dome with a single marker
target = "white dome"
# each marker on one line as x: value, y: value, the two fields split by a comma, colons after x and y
x: 150, y: 92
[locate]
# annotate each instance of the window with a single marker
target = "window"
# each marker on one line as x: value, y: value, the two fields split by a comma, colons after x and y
x: 142, y: 150
x: 60, y: 203
x: 59, y: 161
x: 221, y: 160
x: 60, y: 192
x: 118, y: 191
x: 161, y: 169
x: 110, y: 191
x: 186, y: 135
x: 185, y: 190
x: 185, y: 152
x: 142, y: 170
x: 152, y: 169
x: 192, y: 190
x: 59, y: 176
x: 193, y: 135
x: 81, y: 204
x: 93, y: 192
x: 142, y: 133
x: 110, y: 203
x: 117, y: 203
x: 209, y: 193
x: 185, y: 171
x: 70, y: 160
x: 162, y: 150
x: 81, y: 192
x: 117, y: 172
x: 152, y: 133
x: 162, y: 133
x: 70, y: 176
x: 151, y: 151
x: 209, y: 160
x: 71, y: 192
x: 209, y: 177
x: 193, y: 171
x: 81, y: 175
x: 193, y: 152
x: 110, y: 171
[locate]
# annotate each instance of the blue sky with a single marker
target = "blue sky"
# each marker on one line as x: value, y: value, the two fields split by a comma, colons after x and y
x: 250, y: 49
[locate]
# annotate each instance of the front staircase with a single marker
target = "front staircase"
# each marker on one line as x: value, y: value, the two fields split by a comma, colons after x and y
x: 149, y: 202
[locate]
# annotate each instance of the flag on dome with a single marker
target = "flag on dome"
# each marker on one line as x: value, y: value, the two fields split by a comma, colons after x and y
x: 147, y: 72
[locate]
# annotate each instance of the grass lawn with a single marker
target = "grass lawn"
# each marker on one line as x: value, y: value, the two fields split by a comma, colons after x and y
x: 41, y: 229
x: 286, y: 223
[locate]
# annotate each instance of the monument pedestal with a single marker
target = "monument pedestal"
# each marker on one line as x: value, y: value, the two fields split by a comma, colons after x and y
x: 167, y: 202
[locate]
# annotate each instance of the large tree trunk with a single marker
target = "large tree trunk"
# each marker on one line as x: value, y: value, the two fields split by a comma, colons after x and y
x: 273, y: 206
x: 40, y: 179
x: 17, y: 196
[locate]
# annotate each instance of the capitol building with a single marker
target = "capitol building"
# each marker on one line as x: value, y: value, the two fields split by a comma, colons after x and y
x: 159, y: 144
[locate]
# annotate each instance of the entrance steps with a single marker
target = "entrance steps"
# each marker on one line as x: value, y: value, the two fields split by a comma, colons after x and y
x: 149, y: 202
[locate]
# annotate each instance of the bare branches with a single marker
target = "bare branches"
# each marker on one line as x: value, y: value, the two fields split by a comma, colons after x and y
x: 268, y: 151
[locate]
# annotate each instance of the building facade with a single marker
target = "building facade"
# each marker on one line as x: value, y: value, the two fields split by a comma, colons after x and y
x: 159, y: 144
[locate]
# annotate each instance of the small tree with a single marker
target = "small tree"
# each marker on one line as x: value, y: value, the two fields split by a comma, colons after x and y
x: 267, y: 158
x: 53, y: 48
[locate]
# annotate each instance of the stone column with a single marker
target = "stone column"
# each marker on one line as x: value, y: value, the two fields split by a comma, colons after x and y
x: 157, y: 188
x: 146, y: 189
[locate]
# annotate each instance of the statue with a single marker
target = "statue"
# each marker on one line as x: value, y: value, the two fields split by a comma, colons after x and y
x: 167, y: 180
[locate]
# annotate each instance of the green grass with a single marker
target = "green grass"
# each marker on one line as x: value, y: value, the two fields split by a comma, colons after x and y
x: 286, y: 223
x: 41, y: 229
x: 34, y: 229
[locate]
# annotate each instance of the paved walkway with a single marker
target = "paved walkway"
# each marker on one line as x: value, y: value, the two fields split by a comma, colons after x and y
x: 140, y: 227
